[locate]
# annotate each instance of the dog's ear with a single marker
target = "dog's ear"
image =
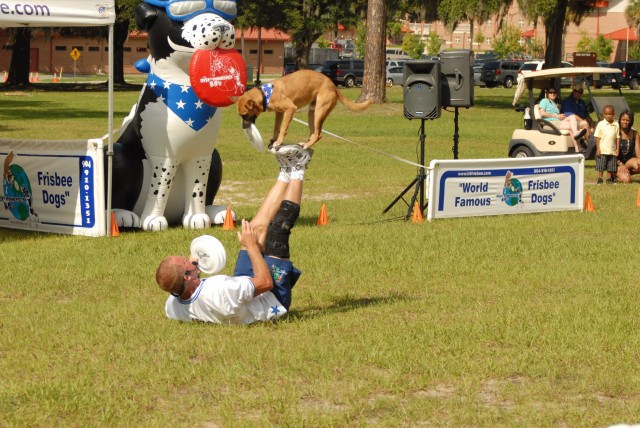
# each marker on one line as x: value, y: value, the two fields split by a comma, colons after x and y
x: 145, y: 15
x: 251, y: 105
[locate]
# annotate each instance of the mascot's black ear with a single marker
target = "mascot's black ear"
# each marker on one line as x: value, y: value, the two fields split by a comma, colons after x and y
x: 145, y: 15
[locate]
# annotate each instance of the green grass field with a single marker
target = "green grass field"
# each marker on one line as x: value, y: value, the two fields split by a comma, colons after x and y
x: 522, y: 320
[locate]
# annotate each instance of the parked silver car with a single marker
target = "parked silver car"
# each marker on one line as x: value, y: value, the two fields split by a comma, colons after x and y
x: 395, y: 76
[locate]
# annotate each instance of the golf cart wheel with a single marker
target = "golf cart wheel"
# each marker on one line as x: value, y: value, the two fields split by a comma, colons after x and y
x: 349, y: 82
x: 390, y: 83
x: 522, y: 152
x: 633, y: 84
x: 508, y: 82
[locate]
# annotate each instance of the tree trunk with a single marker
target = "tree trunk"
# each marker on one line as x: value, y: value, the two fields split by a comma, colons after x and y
x: 20, y: 57
x: 374, y: 80
x: 554, y: 30
x: 302, y: 49
x: 120, y: 35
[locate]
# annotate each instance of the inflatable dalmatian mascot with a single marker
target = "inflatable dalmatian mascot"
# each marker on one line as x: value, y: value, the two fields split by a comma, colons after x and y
x: 165, y: 167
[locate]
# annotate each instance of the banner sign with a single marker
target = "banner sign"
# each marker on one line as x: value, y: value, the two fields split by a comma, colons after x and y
x: 480, y: 187
x: 57, y: 13
x: 53, y: 186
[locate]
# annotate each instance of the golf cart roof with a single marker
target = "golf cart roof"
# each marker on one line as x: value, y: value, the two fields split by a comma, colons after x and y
x: 541, y: 79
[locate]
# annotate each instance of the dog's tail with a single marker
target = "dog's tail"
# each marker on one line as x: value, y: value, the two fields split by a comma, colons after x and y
x: 357, y: 107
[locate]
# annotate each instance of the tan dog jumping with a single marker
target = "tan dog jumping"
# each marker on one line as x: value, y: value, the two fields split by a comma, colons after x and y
x: 290, y: 93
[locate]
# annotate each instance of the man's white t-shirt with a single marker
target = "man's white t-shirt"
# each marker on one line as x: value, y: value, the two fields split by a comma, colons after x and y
x: 223, y: 299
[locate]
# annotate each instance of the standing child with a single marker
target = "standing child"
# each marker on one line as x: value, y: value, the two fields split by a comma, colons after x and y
x: 607, y: 145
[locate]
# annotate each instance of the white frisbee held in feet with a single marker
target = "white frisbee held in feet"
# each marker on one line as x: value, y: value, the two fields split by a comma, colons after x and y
x: 210, y: 253
x: 254, y: 137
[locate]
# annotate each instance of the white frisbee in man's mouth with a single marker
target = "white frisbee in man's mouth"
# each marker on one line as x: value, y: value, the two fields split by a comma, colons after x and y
x: 254, y: 137
x: 210, y: 254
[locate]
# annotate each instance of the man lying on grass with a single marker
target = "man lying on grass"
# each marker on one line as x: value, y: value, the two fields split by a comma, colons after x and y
x: 260, y: 289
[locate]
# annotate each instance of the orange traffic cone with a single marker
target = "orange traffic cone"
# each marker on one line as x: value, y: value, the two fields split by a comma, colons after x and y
x: 322, y: 218
x: 638, y: 200
x: 55, y: 77
x: 228, y: 220
x: 114, y: 225
x: 30, y: 77
x: 37, y: 79
x: 6, y: 76
x: 588, y: 203
x: 417, y: 214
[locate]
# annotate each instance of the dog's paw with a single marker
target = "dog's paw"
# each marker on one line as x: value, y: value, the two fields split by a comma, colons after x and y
x: 196, y: 221
x: 126, y: 218
x: 155, y: 224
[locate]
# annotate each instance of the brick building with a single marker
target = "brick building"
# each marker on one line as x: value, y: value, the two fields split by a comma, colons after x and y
x: 52, y: 53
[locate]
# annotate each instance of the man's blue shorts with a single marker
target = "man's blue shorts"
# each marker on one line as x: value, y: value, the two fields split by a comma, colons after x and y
x: 284, y: 275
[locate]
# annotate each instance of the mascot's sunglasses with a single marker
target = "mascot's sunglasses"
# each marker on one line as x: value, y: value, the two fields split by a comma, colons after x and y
x: 183, y: 10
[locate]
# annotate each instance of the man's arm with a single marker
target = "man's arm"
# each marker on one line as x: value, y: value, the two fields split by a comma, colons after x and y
x: 261, y: 275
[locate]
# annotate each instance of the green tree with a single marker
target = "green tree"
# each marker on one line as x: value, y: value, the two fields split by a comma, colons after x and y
x: 632, y: 14
x: 451, y: 12
x: 434, y: 44
x: 507, y: 42
x: 535, y: 47
x: 600, y: 46
x: 304, y: 20
x: 413, y: 45
x: 360, y: 39
x: 555, y: 15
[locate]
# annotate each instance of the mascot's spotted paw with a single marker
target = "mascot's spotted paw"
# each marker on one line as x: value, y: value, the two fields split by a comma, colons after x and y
x: 198, y: 221
x: 126, y: 218
x: 155, y: 224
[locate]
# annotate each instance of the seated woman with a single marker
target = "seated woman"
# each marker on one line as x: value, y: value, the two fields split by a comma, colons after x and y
x: 628, y: 160
x: 550, y: 112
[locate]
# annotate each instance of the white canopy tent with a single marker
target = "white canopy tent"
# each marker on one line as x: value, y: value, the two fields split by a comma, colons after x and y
x: 69, y: 13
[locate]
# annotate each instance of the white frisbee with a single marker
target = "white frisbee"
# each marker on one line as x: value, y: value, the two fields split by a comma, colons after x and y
x: 210, y: 254
x: 254, y: 137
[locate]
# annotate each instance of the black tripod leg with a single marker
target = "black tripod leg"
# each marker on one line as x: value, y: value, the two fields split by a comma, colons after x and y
x: 415, y: 180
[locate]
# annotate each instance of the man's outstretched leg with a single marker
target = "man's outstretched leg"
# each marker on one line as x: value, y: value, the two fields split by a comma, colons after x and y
x: 277, y: 253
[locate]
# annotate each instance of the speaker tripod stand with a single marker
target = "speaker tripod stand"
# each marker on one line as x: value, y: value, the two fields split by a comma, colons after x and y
x: 418, y: 182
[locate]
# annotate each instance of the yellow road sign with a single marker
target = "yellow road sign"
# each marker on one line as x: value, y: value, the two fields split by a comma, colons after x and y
x: 75, y: 54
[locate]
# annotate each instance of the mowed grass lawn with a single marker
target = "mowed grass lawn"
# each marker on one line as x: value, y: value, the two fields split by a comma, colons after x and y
x: 523, y: 320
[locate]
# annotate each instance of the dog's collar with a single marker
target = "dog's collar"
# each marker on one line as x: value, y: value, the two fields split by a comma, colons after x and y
x: 266, y: 90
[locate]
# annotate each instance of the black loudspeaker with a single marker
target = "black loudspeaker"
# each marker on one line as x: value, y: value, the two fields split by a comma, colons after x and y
x: 422, y: 89
x: 457, y: 78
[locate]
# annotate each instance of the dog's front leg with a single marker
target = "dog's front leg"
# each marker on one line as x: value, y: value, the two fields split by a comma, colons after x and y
x: 275, y: 140
x: 285, y: 121
x: 163, y: 173
x: 196, y: 174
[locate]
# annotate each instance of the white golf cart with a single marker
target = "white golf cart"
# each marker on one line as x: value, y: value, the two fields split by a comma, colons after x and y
x: 542, y: 138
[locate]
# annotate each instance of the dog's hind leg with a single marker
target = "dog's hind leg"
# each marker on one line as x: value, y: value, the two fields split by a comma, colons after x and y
x: 323, y: 107
x: 196, y: 175
x: 163, y: 172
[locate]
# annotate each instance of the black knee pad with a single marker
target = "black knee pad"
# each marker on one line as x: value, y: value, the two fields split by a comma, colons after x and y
x: 277, y: 241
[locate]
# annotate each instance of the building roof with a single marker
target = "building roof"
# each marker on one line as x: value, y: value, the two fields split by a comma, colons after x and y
x: 265, y: 35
